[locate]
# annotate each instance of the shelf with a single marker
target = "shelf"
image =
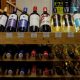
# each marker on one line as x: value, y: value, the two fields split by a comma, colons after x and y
x: 39, y: 38
x: 34, y: 76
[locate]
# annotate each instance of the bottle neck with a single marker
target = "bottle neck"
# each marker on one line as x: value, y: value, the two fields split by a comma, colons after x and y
x: 45, y: 12
x: 24, y: 12
x: 34, y: 11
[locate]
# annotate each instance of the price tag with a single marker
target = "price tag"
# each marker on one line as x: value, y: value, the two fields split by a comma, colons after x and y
x: 46, y: 34
x: 33, y: 35
x: 71, y: 35
x: 20, y: 34
x: 9, y: 35
x: 58, y: 35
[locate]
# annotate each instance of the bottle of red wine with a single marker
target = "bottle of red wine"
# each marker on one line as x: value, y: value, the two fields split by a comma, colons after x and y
x: 12, y: 22
x: 45, y: 21
x: 3, y: 20
x: 34, y: 20
x: 23, y: 21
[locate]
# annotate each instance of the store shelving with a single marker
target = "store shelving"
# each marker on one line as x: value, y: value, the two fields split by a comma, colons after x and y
x: 39, y: 38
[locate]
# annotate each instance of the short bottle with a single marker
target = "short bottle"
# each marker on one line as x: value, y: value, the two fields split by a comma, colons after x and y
x: 45, y: 21
x: 12, y: 22
x: 3, y: 20
x: 23, y: 22
x: 34, y: 20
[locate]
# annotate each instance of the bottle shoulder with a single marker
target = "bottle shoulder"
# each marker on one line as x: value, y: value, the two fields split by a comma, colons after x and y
x: 34, y: 13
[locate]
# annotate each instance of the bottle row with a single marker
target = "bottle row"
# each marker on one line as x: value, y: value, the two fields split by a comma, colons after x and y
x: 40, y: 69
x: 36, y: 23
x: 40, y: 52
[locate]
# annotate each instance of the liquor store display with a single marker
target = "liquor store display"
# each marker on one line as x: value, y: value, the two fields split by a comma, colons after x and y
x: 39, y: 23
x: 40, y: 53
x: 45, y: 46
x: 38, y: 61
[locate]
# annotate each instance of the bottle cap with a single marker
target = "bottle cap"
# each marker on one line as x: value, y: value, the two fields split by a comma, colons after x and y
x: 33, y: 52
x: 25, y: 9
x: 45, y: 9
x: 45, y: 53
x: 35, y: 8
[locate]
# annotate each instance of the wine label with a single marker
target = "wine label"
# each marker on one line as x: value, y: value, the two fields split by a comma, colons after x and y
x: 23, y: 22
x: 77, y: 20
x: 34, y: 20
x: 45, y: 19
x: 12, y: 20
x: 3, y: 20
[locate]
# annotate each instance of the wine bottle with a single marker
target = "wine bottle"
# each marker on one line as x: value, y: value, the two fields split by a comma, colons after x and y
x: 34, y: 20
x: 56, y: 21
x: 71, y: 52
x: 59, y: 52
x: 45, y: 21
x: 12, y: 22
x: 3, y: 20
x: 23, y: 22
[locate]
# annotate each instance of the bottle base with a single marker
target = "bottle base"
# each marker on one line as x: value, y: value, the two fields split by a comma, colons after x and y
x: 22, y: 29
x: 2, y: 29
x: 11, y: 29
x: 45, y: 28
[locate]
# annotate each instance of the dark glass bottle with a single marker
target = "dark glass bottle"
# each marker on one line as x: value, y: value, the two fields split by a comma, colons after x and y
x: 34, y: 20
x: 23, y: 21
x: 45, y: 21
x: 12, y: 22
x: 3, y: 20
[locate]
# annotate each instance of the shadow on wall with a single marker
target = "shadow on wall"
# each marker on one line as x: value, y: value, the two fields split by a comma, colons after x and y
x: 30, y: 3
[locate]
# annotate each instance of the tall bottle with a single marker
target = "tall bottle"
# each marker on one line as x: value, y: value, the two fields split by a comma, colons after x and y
x: 76, y: 17
x: 67, y: 22
x: 23, y: 21
x: 3, y: 20
x: 55, y: 21
x: 12, y: 22
x: 34, y: 21
x: 45, y: 21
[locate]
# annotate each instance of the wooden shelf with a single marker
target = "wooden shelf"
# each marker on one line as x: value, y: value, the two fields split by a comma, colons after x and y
x: 34, y: 76
x: 39, y: 38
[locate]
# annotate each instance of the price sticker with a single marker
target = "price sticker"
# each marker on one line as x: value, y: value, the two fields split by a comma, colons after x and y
x: 70, y: 35
x: 58, y: 35
x: 33, y: 35
x: 9, y: 35
x: 46, y: 34
x: 20, y: 34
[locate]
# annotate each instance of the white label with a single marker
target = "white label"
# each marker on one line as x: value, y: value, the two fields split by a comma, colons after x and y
x: 13, y: 16
x: 3, y: 20
x: 0, y: 16
x: 45, y: 20
x: 25, y: 17
x: 34, y: 20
